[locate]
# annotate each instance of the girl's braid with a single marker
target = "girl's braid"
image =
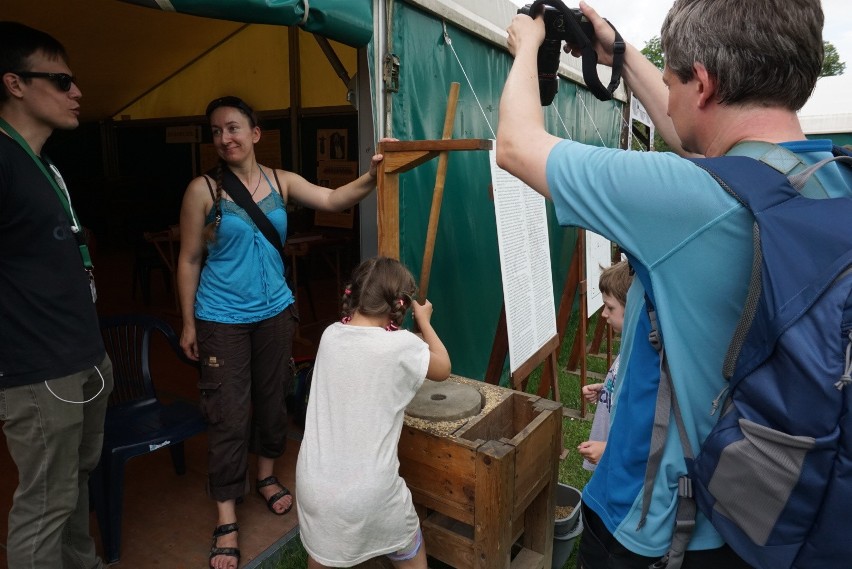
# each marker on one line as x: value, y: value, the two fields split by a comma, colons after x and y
x: 211, y: 228
x: 399, y: 305
x: 346, y: 304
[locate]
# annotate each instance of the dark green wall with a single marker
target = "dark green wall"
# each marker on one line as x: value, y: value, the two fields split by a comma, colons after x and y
x: 465, y: 283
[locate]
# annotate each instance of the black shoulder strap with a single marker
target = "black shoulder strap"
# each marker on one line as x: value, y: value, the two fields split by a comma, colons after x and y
x: 242, y: 198
x: 210, y: 187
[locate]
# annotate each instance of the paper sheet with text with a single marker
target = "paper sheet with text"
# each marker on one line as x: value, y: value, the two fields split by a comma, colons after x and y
x: 524, y: 248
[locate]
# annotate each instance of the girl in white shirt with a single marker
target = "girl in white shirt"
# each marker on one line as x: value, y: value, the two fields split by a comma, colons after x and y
x: 352, y: 503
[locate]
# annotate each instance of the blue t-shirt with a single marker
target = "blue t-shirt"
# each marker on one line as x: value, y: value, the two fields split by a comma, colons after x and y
x: 243, y: 277
x: 695, y: 242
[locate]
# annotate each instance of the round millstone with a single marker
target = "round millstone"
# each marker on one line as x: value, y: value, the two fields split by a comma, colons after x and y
x: 445, y: 401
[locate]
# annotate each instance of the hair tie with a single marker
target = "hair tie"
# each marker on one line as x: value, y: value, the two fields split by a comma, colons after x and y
x: 391, y: 327
x: 347, y: 291
x: 346, y: 319
x: 401, y: 302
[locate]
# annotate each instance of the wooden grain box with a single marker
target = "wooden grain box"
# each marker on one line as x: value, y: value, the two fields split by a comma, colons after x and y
x: 485, y: 487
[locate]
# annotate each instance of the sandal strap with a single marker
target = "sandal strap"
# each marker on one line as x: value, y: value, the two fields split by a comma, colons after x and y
x: 277, y: 496
x: 225, y: 529
x: 229, y: 551
x: 268, y: 481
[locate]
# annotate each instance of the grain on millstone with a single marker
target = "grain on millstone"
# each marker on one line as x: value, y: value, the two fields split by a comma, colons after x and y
x: 492, y: 394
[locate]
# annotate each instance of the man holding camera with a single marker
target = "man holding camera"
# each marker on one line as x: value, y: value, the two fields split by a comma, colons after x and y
x: 736, y: 71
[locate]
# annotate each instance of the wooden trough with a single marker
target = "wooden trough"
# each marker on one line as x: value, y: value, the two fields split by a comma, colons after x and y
x: 484, y: 487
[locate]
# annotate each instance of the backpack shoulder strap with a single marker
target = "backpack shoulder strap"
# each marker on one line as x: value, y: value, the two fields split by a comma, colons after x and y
x: 814, y: 238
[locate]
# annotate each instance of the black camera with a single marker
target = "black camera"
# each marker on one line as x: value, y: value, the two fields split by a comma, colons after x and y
x: 571, y: 26
x: 557, y: 30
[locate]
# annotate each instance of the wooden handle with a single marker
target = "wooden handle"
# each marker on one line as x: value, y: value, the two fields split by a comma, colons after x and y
x: 438, y: 193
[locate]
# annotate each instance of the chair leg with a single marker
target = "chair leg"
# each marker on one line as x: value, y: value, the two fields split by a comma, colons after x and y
x: 178, y: 458
x: 115, y: 505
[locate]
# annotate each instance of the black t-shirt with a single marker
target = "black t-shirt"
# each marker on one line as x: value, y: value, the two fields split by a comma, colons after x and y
x: 48, y: 322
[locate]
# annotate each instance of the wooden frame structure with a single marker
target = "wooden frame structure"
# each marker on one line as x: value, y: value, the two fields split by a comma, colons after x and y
x: 400, y: 157
x: 485, y: 493
x: 575, y: 283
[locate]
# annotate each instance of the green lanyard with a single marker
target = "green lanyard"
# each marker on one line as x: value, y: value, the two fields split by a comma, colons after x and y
x: 55, y: 180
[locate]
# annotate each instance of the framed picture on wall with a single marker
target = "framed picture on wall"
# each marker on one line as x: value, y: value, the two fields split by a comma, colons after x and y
x: 332, y: 143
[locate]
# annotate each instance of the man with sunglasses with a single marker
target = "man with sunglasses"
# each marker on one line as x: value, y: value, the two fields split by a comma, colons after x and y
x: 55, y: 376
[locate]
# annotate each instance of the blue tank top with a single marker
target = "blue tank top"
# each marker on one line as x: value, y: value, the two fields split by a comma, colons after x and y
x: 243, y: 277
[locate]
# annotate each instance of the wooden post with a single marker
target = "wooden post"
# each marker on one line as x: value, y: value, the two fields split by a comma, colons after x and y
x: 438, y: 193
x: 495, y: 474
x: 597, y: 338
x: 584, y: 316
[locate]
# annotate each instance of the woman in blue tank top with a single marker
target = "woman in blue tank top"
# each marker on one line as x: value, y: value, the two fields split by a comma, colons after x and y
x: 239, y: 314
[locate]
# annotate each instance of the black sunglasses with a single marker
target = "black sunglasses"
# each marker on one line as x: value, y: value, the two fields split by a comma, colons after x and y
x: 63, y: 81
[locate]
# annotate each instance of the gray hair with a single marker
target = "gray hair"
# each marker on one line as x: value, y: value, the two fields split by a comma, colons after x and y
x: 763, y: 52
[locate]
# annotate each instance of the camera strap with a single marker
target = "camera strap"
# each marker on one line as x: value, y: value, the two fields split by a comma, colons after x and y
x: 590, y: 56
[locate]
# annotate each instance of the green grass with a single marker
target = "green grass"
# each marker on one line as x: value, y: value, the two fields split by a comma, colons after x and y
x: 574, y: 431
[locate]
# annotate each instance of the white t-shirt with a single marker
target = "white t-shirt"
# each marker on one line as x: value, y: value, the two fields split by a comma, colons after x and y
x: 352, y: 503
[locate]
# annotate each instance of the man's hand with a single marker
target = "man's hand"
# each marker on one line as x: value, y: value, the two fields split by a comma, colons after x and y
x: 604, y: 36
x: 525, y: 32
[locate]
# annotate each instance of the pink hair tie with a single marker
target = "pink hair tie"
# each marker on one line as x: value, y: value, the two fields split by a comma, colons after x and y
x: 346, y: 319
x: 347, y: 291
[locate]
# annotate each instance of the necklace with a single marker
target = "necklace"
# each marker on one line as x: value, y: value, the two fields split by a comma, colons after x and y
x: 254, y: 191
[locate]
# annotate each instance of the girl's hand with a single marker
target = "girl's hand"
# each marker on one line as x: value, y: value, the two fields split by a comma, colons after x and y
x: 422, y: 312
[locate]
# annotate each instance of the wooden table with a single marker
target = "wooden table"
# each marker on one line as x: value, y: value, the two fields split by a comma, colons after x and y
x: 328, y: 244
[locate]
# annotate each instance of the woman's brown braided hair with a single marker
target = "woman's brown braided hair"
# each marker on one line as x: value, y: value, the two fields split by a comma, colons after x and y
x: 380, y: 286
x: 236, y: 103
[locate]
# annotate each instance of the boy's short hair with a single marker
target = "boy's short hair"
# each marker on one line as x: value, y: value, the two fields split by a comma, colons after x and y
x: 615, y: 281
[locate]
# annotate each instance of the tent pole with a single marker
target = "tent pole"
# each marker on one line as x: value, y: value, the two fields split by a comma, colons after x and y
x: 295, y: 98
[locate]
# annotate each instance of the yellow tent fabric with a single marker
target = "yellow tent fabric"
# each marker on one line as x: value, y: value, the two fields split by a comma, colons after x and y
x: 252, y: 64
x: 123, y: 54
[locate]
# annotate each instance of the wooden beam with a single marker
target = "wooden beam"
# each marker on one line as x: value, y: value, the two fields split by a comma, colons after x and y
x: 404, y: 155
x: 438, y: 194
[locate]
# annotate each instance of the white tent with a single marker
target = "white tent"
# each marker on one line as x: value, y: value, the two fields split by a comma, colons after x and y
x: 829, y: 110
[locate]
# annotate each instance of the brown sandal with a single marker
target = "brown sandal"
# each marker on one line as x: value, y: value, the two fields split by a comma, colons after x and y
x: 270, y: 502
x: 224, y: 529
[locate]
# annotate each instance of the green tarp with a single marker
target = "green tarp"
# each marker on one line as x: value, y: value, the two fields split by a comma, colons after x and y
x: 346, y: 21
